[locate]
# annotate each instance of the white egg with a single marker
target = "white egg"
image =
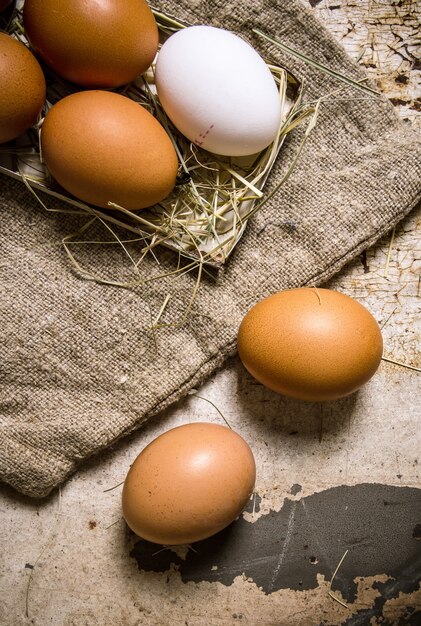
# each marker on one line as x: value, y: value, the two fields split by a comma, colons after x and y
x: 218, y: 91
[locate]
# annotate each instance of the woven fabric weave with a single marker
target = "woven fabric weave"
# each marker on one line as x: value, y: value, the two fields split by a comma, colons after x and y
x: 80, y: 364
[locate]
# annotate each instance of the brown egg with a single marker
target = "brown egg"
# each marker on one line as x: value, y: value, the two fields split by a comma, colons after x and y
x: 93, y: 44
x: 188, y: 484
x: 310, y: 344
x: 101, y: 146
x: 22, y: 88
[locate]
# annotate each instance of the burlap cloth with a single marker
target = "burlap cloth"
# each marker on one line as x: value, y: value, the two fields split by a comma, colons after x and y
x: 80, y: 365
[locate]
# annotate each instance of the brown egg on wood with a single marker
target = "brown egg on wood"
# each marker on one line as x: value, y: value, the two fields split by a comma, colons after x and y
x: 103, y: 147
x: 188, y: 484
x: 98, y: 44
x: 310, y: 344
x: 22, y: 88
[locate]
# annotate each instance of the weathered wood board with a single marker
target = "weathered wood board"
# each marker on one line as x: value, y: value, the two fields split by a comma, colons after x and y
x: 344, y: 476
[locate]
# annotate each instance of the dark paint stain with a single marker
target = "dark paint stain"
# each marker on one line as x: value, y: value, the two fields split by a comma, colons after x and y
x: 29, y: 566
x: 280, y: 549
x: 364, y: 262
x: 389, y: 590
x: 296, y: 488
x: 398, y: 101
x: 92, y: 525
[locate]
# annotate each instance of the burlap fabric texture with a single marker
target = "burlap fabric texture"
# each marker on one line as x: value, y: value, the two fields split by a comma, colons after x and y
x: 80, y: 365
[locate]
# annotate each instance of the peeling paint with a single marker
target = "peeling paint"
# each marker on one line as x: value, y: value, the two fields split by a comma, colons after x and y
x: 290, y: 548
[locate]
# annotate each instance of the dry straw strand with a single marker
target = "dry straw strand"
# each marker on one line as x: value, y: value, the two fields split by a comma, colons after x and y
x: 332, y: 595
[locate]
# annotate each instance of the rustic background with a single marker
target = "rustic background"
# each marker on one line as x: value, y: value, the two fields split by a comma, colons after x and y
x: 71, y: 561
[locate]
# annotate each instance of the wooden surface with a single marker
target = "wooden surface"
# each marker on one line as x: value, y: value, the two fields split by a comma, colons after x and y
x: 384, y: 35
x: 342, y: 476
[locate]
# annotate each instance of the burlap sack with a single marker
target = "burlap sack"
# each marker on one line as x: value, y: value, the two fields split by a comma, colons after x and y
x: 80, y: 365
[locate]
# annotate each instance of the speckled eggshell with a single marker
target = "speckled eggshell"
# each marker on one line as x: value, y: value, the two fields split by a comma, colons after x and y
x: 22, y: 88
x: 101, y: 146
x: 188, y: 484
x: 93, y: 44
x: 310, y: 344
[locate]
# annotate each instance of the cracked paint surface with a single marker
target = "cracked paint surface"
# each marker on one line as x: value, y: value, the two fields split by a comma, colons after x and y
x: 383, y: 35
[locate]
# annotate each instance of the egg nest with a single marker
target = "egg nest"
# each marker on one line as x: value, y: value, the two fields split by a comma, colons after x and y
x: 206, y: 214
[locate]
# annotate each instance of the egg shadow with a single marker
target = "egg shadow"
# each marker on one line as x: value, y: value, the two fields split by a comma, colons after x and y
x: 199, y: 556
x: 276, y: 413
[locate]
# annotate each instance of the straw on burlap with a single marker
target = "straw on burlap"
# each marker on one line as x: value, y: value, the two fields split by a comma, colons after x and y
x: 80, y: 366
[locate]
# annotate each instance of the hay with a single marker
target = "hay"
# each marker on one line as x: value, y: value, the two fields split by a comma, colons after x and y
x: 205, y: 216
